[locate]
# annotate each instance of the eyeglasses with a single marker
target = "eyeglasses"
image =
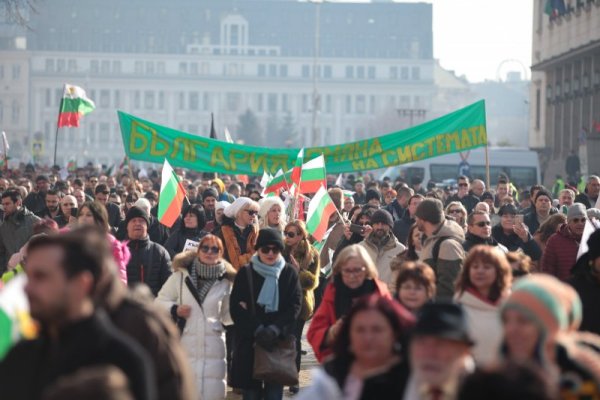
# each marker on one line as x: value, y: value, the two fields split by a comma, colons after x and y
x: 355, y: 271
x: 209, y: 249
x: 481, y: 224
x: 290, y: 234
x: 455, y: 211
x: 251, y: 213
x: 270, y: 249
x: 578, y: 220
x: 69, y: 204
x: 463, y: 184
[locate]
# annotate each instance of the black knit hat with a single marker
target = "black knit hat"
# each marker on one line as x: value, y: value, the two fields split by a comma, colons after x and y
x: 382, y: 216
x: 137, y: 212
x: 268, y: 237
x: 487, y: 195
x: 431, y: 210
x: 210, y: 192
x: 508, y: 209
x: 444, y: 320
x: 372, y: 194
x: 543, y: 193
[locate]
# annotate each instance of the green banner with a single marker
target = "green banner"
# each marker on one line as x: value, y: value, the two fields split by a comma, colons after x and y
x: 458, y: 131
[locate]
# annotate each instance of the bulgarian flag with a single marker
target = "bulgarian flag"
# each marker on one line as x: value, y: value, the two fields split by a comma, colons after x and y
x: 313, y: 175
x: 73, y: 106
x: 279, y: 181
x: 72, y: 165
x: 15, y: 321
x: 320, y: 209
x: 297, y: 170
x: 171, y: 196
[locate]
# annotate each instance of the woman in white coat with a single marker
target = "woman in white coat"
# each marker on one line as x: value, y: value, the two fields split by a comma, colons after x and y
x: 197, y: 296
x: 482, y: 285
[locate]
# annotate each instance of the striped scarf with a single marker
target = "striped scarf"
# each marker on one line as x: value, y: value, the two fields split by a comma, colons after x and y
x: 204, y: 276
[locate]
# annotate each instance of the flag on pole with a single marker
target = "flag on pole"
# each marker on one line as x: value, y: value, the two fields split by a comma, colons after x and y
x: 297, y: 170
x: 348, y: 193
x: 313, y: 175
x: 320, y: 209
x: 72, y: 165
x: 279, y: 181
x: 265, y: 179
x: 15, y: 321
x: 213, y: 132
x: 228, y: 138
x: 170, y: 200
x: 590, y: 227
x: 5, y: 146
x: 339, y: 182
x: 73, y: 106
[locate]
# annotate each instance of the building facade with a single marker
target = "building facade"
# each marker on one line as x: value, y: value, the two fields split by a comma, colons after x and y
x: 565, y: 90
x: 177, y: 65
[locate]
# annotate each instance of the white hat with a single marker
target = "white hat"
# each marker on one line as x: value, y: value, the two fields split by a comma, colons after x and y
x: 234, y: 208
x: 221, y: 205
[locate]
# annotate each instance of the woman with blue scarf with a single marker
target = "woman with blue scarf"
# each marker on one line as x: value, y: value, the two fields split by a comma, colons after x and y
x: 277, y: 299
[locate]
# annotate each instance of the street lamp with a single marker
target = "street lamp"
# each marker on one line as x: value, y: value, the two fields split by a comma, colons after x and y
x: 316, y: 97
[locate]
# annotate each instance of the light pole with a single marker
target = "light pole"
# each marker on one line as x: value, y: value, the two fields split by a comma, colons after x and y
x: 316, y: 99
x: 411, y: 113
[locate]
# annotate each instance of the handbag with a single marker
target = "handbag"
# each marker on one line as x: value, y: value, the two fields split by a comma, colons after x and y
x: 276, y: 366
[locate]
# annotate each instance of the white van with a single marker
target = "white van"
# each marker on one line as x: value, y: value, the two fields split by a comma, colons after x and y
x: 521, y: 166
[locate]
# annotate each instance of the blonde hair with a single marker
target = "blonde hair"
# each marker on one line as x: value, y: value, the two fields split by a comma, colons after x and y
x: 358, y: 252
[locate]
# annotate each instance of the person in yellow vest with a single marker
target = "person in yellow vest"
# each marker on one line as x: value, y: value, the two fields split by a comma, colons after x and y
x: 559, y: 185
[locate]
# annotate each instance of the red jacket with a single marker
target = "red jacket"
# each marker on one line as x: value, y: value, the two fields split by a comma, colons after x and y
x: 560, y: 253
x: 325, y: 317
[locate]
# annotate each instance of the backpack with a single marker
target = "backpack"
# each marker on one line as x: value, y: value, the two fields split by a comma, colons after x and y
x: 435, y: 251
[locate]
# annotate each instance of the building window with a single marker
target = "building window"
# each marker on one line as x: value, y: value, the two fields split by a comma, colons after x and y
x: 105, y: 67
x: 304, y: 103
x: 404, y: 101
x: 72, y: 66
x: 16, y: 71
x: 371, y: 72
x: 349, y: 72
x: 260, y: 102
x: 372, y: 104
x: 272, y: 102
x: 117, y: 98
x: 181, y: 101
x: 137, y: 99
x: 233, y: 101
x: 60, y: 65
x: 305, y: 71
x: 104, y: 98
x: 416, y: 73
x: 283, y: 71
x: 194, y: 101
x: 49, y: 65
x: 149, y: 100
x: 360, y: 72
x: 116, y: 65
x: 16, y: 112
x: 404, y: 73
x: 206, y: 101
x: 95, y: 66
x: 272, y: 70
x: 262, y: 70
x: 393, y: 72
x: 348, y: 104
x: 284, y: 103
x: 160, y: 67
x: 360, y: 104
x: 48, y: 98
x: 138, y: 68
x: 149, y: 67
x: 183, y: 68
x: 328, y: 104
x: 161, y: 100
x: 327, y: 73
x: 194, y: 68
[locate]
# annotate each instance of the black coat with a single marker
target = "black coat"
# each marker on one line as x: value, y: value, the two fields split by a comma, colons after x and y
x: 35, y: 365
x: 114, y: 214
x: 585, y: 200
x: 150, y: 263
x: 469, y: 201
x: 158, y: 232
x: 402, y: 227
x: 513, y: 242
x: 390, y: 384
x: 473, y: 240
x: 588, y: 288
x: 177, y: 239
x: 35, y: 202
x: 290, y: 302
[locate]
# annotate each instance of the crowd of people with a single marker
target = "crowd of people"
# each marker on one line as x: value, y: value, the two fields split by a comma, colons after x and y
x: 416, y: 292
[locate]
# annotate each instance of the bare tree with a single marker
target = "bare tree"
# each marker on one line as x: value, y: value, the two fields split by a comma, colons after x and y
x: 17, y: 11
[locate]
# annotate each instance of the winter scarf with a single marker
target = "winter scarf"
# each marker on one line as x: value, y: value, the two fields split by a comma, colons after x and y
x: 269, y: 293
x: 345, y: 297
x: 204, y: 276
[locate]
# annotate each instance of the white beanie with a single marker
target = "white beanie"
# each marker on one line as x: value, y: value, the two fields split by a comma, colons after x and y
x: 144, y: 204
x: 267, y: 203
x: 234, y: 208
x: 221, y: 205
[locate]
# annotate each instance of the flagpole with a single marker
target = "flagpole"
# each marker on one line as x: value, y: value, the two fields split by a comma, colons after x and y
x: 4, y: 143
x: 487, y: 166
x: 62, y: 99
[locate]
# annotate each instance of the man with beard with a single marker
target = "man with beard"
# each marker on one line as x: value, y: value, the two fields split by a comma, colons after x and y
x: 561, y: 249
x: 52, y: 209
x: 209, y: 201
x: 62, y: 271
x: 382, y: 245
x: 35, y: 201
x: 540, y: 212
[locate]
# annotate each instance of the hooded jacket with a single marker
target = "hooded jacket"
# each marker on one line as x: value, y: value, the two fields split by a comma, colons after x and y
x: 383, y: 256
x: 203, y: 337
x: 15, y: 231
x: 450, y: 257
x: 150, y: 263
x: 560, y: 253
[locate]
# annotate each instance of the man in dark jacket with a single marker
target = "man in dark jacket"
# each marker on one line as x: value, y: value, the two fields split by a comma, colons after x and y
x: 62, y: 271
x: 514, y: 234
x: 586, y: 281
x: 36, y: 201
x: 468, y: 200
x: 150, y: 263
x: 480, y: 231
x: 52, y: 209
x: 399, y: 206
x: 402, y: 226
x: 541, y: 210
x: 592, y: 189
x: 101, y: 193
x: 17, y: 227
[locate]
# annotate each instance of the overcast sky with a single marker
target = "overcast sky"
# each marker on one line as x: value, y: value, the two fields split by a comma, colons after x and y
x: 473, y: 37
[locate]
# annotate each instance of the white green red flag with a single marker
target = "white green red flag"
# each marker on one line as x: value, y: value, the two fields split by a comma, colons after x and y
x: 170, y: 200
x: 73, y: 106
x: 297, y: 170
x: 313, y: 175
x: 281, y: 180
x: 15, y: 321
x: 320, y: 209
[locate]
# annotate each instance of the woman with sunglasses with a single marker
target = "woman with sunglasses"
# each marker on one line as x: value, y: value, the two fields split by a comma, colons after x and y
x: 192, y: 228
x: 264, y: 314
x: 354, y: 275
x: 305, y: 259
x: 456, y: 211
x: 197, y: 297
x: 482, y: 285
x: 271, y: 213
x: 238, y: 231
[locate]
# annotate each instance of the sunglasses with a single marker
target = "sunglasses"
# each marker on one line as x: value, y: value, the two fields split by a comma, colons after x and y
x: 252, y: 213
x: 455, y: 211
x: 209, y: 249
x: 270, y: 249
x: 481, y: 224
x: 578, y: 220
x: 463, y: 184
x: 290, y: 234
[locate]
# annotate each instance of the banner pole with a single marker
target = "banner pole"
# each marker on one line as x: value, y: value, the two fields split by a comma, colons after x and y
x: 487, y: 166
x: 62, y: 99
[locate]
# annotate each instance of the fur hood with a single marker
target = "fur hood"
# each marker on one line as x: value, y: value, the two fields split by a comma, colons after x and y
x: 183, y: 260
